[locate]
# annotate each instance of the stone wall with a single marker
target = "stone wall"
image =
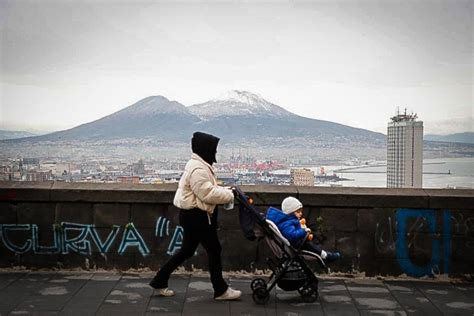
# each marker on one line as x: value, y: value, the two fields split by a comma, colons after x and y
x: 379, y: 231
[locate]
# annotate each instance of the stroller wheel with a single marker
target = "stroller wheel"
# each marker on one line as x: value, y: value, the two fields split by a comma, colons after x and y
x: 260, y: 295
x: 256, y: 283
x: 308, y: 294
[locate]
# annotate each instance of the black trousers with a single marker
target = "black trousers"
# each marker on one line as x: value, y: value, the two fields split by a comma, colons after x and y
x: 196, y: 230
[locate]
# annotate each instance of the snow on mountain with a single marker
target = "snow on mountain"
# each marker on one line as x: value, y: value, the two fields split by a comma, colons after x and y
x: 238, y: 103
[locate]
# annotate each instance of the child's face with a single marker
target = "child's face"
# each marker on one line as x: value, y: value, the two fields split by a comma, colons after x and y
x: 299, y: 213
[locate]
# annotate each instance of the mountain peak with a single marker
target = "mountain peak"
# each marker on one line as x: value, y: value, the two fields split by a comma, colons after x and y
x: 241, y: 96
x: 237, y: 103
x: 153, y: 105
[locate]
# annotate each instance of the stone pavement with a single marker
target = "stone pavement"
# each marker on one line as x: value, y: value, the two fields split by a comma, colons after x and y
x: 109, y: 293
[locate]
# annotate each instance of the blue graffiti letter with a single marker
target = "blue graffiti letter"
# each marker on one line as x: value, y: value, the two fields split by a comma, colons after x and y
x: 402, y: 245
x: 10, y: 245
x: 176, y: 242
x: 446, y: 239
x: 77, y: 244
x: 131, y: 237
x: 47, y: 250
x: 104, y: 247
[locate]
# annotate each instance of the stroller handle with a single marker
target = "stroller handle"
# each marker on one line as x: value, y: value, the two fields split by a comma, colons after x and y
x: 241, y: 196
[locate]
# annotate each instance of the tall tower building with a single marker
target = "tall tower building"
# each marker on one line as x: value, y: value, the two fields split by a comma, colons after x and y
x: 405, y: 152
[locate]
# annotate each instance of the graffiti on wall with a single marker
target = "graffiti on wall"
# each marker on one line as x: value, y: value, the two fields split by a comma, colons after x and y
x: 440, y: 249
x: 385, y: 237
x: 463, y: 227
x: 80, y: 238
x: 162, y: 229
x: 409, y: 230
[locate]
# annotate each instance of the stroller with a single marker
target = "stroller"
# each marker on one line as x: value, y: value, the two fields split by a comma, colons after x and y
x: 290, y: 271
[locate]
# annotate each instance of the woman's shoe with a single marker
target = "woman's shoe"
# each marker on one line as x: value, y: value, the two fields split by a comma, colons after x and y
x: 229, y: 295
x: 163, y: 292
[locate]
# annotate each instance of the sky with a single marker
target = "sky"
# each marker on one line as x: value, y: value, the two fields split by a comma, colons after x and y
x: 68, y: 62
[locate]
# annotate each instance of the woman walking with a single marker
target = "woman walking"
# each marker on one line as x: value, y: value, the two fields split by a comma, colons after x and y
x: 197, y: 197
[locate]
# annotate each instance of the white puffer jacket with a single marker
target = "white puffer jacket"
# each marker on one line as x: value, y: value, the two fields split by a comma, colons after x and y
x: 198, y: 187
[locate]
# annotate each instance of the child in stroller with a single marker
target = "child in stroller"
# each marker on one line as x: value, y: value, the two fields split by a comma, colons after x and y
x: 288, y: 221
x: 290, y: 271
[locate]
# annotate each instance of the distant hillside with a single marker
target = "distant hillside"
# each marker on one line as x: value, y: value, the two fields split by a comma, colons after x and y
x: 467, y: 138
x: 14, y: 134
x: 237, y: 116
x: 154, y: 116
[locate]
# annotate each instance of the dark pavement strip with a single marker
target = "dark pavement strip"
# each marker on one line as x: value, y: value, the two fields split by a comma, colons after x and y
x: 107, y: 293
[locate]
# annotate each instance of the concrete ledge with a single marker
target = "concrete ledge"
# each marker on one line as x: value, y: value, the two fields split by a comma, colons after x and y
x: 262, y: 194
x: 363, y: 197
x: 269, y: 194
x: 25, y: 191
x: 86, y: 192
x: 449, y: 198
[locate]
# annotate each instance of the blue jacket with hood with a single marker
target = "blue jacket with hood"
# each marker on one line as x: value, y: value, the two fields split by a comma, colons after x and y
x: 289, y: 226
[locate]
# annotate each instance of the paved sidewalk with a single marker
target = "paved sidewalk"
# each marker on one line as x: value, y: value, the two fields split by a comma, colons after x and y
x: 108, y: 293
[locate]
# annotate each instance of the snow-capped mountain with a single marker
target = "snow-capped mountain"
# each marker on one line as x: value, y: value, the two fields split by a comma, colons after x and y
x: 235, y: 116
x: 238, y: 103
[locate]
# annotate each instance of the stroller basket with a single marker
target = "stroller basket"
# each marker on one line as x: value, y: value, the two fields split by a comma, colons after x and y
x: 293, y: 278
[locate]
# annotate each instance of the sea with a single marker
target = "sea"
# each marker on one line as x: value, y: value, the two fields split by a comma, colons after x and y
x: 438, y: 173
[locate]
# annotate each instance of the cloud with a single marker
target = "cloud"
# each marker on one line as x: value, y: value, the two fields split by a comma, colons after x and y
x: 353, y: 63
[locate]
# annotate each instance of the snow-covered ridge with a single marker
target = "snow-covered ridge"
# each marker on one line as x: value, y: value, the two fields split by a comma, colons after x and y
x: 241, y: 97
x: 237, y: 103
x: 232, y: 103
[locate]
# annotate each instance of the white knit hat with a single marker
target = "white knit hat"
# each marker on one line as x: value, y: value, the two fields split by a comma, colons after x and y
x: 290, y: 204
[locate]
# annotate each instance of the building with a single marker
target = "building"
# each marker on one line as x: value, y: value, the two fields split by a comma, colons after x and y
x: 405, y: 152
x: 35, y: 162
x: 50, y: 165
x: 138, y: 168
x: 38, y: 175
x: 6, y: 173
x: 302, y: 177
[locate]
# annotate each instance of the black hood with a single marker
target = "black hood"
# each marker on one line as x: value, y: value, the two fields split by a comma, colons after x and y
x: 205, y: 146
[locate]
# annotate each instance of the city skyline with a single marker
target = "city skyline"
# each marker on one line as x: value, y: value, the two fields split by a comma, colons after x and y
x: 350, y: 63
